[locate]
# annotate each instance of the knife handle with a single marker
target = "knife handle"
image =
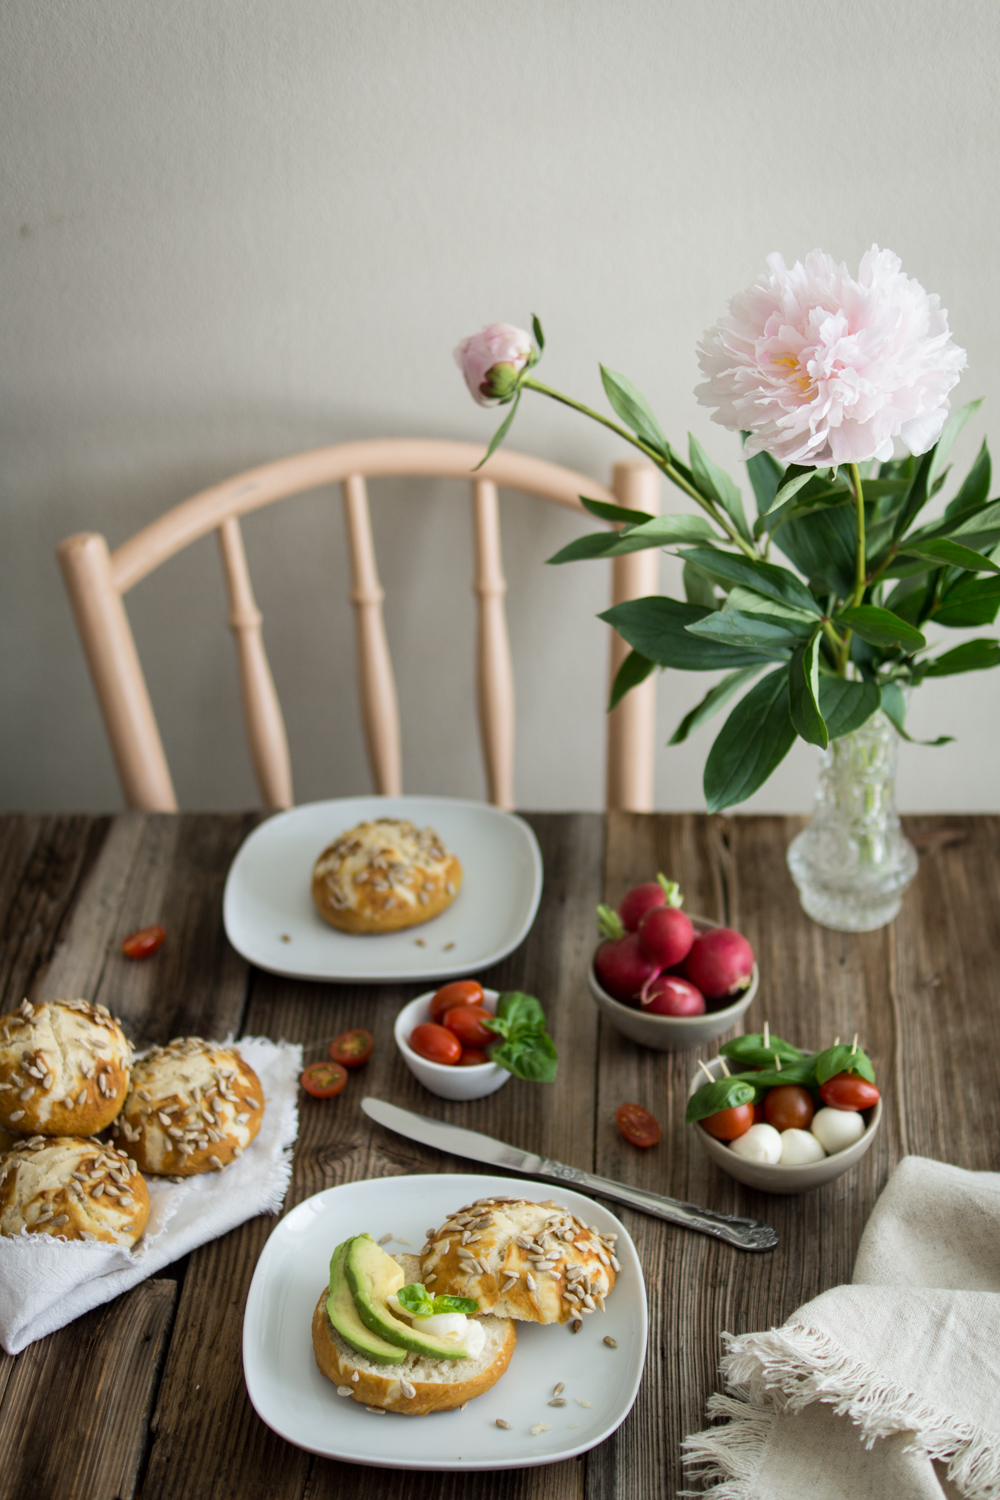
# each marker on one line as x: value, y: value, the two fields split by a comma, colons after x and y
x: 745, y: 1234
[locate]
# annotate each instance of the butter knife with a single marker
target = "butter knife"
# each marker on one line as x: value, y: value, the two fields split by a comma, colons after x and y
x: 745, y: 1234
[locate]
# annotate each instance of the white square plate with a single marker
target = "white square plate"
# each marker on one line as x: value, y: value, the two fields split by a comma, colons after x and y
x: 292, y: 1397
x: 270, y: 917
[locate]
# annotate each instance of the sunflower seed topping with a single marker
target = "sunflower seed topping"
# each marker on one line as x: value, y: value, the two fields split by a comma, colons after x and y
x: 503, y: 1424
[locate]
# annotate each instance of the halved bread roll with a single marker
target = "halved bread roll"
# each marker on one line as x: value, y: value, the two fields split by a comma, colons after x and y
x: 418, y: 1385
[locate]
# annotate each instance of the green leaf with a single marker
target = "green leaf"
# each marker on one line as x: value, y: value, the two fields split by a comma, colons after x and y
x: 711, y: 703
x: 750, y: 1050
x: 843, y: 1059
x: 446, y: 1303
x: 975, y: 487
x: 753, y: 741
x: 751, y: 632
x: 880, y: 627
x: 916, y: 496
x: 536, y: 328
x: 764, y: 578
x: 971, y: 656
x: 716, y: 484
x: 765, y: 476
x: 822, y: 546
x: 657, y: 531
x: 417, y: 1300
x: 698, y: 587
x: 634, y: 410
x: 594, y: 544
x: 655, y: 626
x: 519, y: 1014
x: 956, y: 556
x: 894, y: 708
x: 501, y: 432
x: 946, y: 441
x: 749, y: 602
x: 846, y: 705
x: 970, y: 602
x: 608, y: 512
x: 803, y: 694
x: 724, y: 1093
x: 533, y: 1058
x: 796, y: 478
x: 800, y: 1070
x: 633, y: 670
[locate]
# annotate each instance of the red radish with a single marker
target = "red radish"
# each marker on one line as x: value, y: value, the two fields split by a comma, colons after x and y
x: 720, y: 963
x: 644, y: 898
x: 666, y: 936
x: 666, y: 996
x: 619, y: 964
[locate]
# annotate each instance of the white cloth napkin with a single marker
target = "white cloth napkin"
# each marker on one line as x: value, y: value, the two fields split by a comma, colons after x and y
x: 46, y: 1283
x: 872, y: 1390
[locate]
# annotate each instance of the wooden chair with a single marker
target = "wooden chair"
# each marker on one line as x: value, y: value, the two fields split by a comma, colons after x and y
x: 97, y: 579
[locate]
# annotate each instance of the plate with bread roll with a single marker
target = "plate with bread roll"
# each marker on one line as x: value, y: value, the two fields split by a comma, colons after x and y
x: 446, y: 1321
x: 383, y: 889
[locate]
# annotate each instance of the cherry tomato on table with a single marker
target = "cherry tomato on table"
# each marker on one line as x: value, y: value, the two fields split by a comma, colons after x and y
x: 468, y: 1022
x: 729, y: 1124
x: 472, y: 1057
x: 848, y: 1091
x: 352, y: 1048
x: 637, y: 1125
x: 145, y: 942
x: 461, y: 992
x: 435, y: 1043
x: 789, y: 1107
x: 324, y: 1079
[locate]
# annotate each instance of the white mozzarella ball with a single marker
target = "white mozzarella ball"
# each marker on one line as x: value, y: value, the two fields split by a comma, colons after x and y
x: 799, y: 1147
x: 759, y: 1143
x: 455, y: 1328
x: 836, y: 1129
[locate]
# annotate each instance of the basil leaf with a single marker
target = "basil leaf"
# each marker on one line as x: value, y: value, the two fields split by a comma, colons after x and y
x: 446, y: 1304
x: 522, y: 1013
x: 843, y: 1059
x: 724, y: 1093
x: 801, y: 1071
x: 534, y: 1058
x: 417, y: 1300
x: 750, y: 1048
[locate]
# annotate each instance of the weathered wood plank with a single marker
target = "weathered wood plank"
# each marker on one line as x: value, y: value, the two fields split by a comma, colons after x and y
x: 75, y: 1410
x: 220, y: 1446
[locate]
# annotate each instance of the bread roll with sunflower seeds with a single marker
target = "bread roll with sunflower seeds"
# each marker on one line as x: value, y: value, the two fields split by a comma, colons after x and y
x: 383, y: 876
x: 520, y: 1259
x: 72, y: 1188
x: 194, y: 1106
x: 64, y: 1068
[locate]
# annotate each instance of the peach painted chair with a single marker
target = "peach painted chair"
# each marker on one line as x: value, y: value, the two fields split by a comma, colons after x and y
x: 97, y: 579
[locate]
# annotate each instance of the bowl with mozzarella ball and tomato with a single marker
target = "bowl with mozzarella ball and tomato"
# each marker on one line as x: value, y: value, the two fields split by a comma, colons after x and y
x: 665, y: 979
x: 782, y: 1120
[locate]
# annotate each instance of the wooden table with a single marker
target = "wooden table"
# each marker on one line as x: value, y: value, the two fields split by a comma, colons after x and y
x: 145, y: 1396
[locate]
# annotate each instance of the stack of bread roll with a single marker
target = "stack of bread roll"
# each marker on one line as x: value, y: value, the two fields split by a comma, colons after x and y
x: 66, y: 1076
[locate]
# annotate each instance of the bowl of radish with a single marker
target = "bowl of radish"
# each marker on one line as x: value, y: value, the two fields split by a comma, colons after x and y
x: 782, y: 1120
x: 665, y: 979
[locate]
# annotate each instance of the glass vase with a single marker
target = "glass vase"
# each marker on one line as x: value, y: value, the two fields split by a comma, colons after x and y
x: 853, y: 863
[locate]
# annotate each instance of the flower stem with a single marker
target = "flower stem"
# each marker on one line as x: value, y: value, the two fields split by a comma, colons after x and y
x: 663, y: 464
x: 859, y: 565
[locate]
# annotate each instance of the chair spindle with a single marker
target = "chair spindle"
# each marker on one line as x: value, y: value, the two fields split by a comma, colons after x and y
x: 494, y: 668
x: 632, y: 725
x: 376, y: 684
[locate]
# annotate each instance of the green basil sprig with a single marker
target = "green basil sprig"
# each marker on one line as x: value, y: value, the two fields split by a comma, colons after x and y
x: 843, y: 1059
x: 419, y: 1303
x: 724, y: 1093
x: 752, y: 1051
x: 526, y: 1050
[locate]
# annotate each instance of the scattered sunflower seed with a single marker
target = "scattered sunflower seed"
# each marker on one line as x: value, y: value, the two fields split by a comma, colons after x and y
x: 611, y: 1343
x: 558, y: 1401
x: 576, y: 1325
x: 344, y: 1390
x: 503, y: 1424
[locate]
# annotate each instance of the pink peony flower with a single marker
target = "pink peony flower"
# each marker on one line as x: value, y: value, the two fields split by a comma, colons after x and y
x: 822, y: 369
x: 492, y: 360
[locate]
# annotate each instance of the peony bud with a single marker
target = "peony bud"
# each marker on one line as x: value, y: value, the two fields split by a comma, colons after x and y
x: 494, y: 360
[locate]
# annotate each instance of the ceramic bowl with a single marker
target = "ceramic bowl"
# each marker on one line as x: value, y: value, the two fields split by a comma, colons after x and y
x: 672, y: 1033
x: 778, y: 1179
x: 447, y: 1082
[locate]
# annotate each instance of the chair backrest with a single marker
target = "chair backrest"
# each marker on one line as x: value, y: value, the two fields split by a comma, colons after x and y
x: 97, y: 579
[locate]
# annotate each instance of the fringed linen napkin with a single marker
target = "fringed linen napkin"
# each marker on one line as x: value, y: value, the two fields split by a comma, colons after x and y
x: 46, y: 1283
x: 865, y: 1391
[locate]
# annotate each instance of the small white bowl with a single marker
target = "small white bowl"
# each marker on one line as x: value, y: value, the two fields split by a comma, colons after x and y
x: 447, y: 1082
x: 779, y: 1179
x: 672, y: 1033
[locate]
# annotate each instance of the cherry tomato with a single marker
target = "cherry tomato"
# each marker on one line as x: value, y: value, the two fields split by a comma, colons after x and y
x: 468, y: 1022
x: 729, y: 1124
x: 435, y: 1043
x: 789, y: 1107
x: 472, y: 1057
x: 461, y: 992
x: 637, y: 1125
x: 324, y: 1079
x: 145, y: 942
x: 758, y: 1113
x: 352, y: 1048
x: 848, y: 1091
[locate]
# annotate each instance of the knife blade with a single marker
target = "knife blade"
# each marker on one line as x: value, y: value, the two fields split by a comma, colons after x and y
x: 745, y: 1234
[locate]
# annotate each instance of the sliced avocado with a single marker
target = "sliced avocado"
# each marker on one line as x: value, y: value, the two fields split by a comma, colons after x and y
x: 372, y: 1275
x: 343, y: 1314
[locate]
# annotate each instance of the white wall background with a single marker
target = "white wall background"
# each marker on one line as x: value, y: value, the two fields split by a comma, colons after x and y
x: 232, y: 229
